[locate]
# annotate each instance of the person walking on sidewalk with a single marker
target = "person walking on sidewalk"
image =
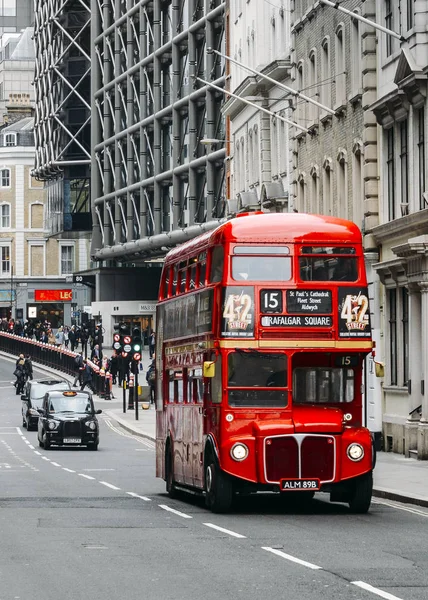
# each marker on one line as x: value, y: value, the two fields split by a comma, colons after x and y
x: 86, y: 375
x: 19, y: 373
x: 28, y: 367
x: 78, y: 368
x: 151, y: 380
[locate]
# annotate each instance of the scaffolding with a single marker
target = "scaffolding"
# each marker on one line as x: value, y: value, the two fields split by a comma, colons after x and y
x: 153, y: 183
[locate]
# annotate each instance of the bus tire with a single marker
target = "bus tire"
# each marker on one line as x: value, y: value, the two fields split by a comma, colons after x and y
x: 361, y: 495
x: 169, y: 475
x: 218, y: 489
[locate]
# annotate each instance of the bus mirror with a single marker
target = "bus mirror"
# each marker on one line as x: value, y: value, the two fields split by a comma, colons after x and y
x: 379, y: 369
x: 209, y: 369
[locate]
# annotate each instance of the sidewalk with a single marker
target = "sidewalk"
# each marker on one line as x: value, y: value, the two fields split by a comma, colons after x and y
x: 395, y: 477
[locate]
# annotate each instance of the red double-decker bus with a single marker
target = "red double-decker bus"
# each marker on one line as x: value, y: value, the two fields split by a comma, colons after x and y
x: 262, y: 329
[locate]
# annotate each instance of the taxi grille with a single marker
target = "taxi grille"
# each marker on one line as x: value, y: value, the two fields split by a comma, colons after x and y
x: 72, y: 429
x: 308, y: 456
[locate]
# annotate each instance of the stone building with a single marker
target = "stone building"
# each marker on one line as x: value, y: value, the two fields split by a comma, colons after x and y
x: 35, y: 270
x: 258, y: 144
x: 335, y: 165
x: 401, y: 110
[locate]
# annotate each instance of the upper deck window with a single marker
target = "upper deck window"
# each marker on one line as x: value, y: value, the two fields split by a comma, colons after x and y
x: 328, y: 264
x: 217, y: 263
x: 264, y: 250
x: 261, y: 268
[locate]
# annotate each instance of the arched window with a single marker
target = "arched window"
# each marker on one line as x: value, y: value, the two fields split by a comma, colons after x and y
x: 315, y: 203
x: 4, y: 216
x: 10, y: 139
x: 343, y: 210
x: 313, y: 86
x: 301, y: 192
x: 357, y: 183
x: 356, y: 75
x: 327, y: 187
x: 301, y: 104
x: 5, y: 177
x: 340, y: 66
x: 325, y: 82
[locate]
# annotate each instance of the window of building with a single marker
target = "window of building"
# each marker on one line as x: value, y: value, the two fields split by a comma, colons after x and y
x: 4, y: 216
x: 356, y: 74
x: 36, y: 216
x: 404, y: 165
x: 327, y: 190
x: 357, y: 185
x: 5, y: 260
x: 342, y: 185
x: 7, y: 8
x: 405, y: 327
x: 313, y: 86
x: 393, y: 358
x: 389, y: 24
x: 325, y: 82
x: 340, y: 66
x: 10, y: 139
x: 67, y: 260
x: 301, y: 104
x: 390, y: 168
x: 301, y: 193
x: 420, y: 117
x: 5, y: 178
x: 410, y: 13
x: 37, y: 260
x: 314, y: 190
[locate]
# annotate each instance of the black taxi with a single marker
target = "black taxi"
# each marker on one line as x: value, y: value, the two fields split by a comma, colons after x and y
x: 68, y: 418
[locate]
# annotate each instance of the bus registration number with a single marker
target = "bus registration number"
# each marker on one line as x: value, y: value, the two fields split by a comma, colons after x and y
x: 299, y: 485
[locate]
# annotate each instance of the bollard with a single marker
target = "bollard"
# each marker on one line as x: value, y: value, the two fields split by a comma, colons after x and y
x: 102, y: 382
x: 131, y: 392
x: 108, y: 386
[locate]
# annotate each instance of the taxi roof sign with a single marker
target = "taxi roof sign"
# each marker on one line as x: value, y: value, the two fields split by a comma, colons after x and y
x: 69, y: 393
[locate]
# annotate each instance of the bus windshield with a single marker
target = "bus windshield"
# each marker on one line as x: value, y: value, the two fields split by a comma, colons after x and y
x: 257, y: 370
x: 323, y: 385
x: 261, y: 268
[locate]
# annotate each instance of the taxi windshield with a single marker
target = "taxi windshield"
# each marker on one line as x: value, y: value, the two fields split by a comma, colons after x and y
x: 76, y: 404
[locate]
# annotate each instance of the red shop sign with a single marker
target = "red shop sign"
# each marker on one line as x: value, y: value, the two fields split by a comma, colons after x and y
x: 53, y: 295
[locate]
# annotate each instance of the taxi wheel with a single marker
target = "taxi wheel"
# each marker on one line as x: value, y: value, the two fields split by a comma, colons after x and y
x: 24, y: 423
x: 93, y: 447
x: 361, y: 495
x: 218, y: 489
x: 46, y: 443
x: 40, y: 442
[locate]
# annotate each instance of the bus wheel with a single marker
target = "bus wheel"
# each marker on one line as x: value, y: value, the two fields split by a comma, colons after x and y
x: 218, y: 488
x: 361, y: 495
x: 170, y: 485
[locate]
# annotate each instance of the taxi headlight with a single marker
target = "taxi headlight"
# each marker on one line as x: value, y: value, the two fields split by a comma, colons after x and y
x: 53, y: 425
x: 239, y: 452
x: 355, y: 452
x: 92, y: 425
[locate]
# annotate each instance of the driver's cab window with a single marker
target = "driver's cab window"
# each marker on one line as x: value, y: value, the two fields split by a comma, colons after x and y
x: 216, y: 381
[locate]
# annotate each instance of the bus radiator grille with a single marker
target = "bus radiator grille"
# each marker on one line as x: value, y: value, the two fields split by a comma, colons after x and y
x: 317, y: 457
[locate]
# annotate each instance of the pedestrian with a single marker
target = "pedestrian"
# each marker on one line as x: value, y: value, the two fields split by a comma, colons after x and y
x: 72, y: 338
x: 96, y: 354
x: 152, y: 343
x: 114, y: 364
x: 151, y: 380
x: 28, y: 367
x: 20, y: 375
x: 51, y: 337
x: 66, y: 337
x: 78, y: 368
x: 59, y: 337
x: 86, y: 375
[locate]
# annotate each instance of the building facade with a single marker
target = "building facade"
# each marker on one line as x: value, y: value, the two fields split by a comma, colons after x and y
x: 35, y: 270
x: 258, y: 36
x: 15, y: 15
x: 401, y: 110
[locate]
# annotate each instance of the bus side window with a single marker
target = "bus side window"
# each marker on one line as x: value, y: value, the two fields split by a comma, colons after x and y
x: 166, y: 282
x: 174, y: 281
x: 171, y: 387
x: 202, y: 273
x: 183, y: 276
x: 192, y: 277
x: 217, y: 261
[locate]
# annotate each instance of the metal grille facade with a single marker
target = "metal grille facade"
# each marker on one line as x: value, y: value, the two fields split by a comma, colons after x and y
x: 153, y: 183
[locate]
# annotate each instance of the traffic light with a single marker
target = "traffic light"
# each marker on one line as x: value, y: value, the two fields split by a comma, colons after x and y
x: 137, y: 343
x: 121, y: 338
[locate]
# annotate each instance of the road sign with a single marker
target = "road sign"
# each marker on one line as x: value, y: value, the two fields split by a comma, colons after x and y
x: 137, y: 356
x: 116, y: 345
x: 127, y: 340
x: 127, y: 348
x: 116, y: 337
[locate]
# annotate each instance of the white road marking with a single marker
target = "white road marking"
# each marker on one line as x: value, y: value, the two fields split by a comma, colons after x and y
x: 55, y: 464
x: 31, y: 446
x: 85, y: 476
x: 137, y: 496
x: 26, y: 441
x: 110, y: 485
x: 396, y: 505
x: 46, y: 458
x: 149, y: 443
x: 299, y: 561
x: 176, y: 512
x: 90, y: 470
x: 68, y: 470
x: 370, y: 588
x: 228, y: 531
x: 37, y: 452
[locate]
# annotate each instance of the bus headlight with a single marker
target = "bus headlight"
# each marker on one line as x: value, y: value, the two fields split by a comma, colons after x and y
x: 355, y: 452
x: 239, y: 452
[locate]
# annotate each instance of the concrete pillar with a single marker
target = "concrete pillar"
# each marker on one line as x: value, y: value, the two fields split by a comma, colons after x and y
x: 423, y: 425
x: 415, y: 369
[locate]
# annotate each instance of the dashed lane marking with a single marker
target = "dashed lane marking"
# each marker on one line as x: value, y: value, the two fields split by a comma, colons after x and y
x: 109, y: 485
x: 373, y: 590
x: 85, y: 476
x: 68, y: 470
x: 176, y: 512
x: 137, y: 496
x: 299, y: 561
x: 223, y: 530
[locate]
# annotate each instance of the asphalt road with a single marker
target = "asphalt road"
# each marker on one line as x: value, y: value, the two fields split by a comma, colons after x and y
x: 77, y: 524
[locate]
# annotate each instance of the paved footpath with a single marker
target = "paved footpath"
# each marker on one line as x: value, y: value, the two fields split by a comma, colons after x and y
x: 395, y: 477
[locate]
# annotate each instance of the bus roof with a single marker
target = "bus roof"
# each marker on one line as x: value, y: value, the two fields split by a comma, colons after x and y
x: 273, y: 228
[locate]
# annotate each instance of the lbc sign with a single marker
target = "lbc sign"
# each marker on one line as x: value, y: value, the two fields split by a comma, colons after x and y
x: 53, y: 295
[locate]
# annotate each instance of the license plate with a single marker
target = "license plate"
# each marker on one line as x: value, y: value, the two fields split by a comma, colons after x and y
x: 72, y: 441
x: 299, y: 485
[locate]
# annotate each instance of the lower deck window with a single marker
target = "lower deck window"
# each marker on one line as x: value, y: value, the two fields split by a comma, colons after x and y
x: 323, y: 385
